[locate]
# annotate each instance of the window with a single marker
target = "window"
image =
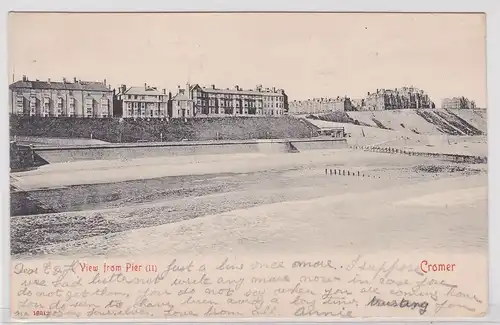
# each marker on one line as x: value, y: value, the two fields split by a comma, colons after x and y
x: 104, y: 107
x: 32, y: 105
x: 71, y: 105
x: 46, y: 104
x: 89, y: 106
x: 20, y: 103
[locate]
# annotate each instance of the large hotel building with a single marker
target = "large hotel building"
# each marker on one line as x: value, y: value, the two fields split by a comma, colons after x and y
x: 61, y: 98
x: 399, y: 98
x: 212, y: 101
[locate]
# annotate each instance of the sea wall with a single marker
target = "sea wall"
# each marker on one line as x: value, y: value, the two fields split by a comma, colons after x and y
x: 132, y: 151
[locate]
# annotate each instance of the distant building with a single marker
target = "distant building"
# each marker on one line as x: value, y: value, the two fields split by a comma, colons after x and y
x: 357, y: 103
x: 399, y: 98
x: 61, y: 98
x: 342, y: 104
x: 458, y: 103
x: 142, y: 102
x: 181, y: 105
x: 212, y: 101
x: 319, y: 105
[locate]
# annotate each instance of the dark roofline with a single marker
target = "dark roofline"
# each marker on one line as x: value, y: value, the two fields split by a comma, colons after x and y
x: 83, y: 85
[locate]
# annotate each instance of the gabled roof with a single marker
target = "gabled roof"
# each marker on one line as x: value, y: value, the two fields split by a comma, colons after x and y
x: 57, y: 85
x: 181, y: 96
x: 141, y: 91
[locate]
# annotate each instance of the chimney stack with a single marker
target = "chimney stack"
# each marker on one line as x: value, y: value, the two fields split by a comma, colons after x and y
x: 25, y: 78
x: 237, y: 87
x: 64, y: 80
x: 164, y: 91
x: 48, y: 80
x: 123, y: 88
x: 213, y: 86
x: 105, y: 82
x: 145, y: 86
x: 74, y: 80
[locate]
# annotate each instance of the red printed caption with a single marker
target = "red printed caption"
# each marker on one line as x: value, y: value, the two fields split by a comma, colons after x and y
x: 128, y: 267
x: 426, y: 267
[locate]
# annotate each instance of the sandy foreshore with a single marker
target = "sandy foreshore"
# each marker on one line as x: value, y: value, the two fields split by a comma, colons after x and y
x: 272, y: 203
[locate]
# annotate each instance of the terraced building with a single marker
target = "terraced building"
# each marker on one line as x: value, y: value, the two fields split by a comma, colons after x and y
x: 61, y: 98
x: 212, y: 101
x: 398, y: 98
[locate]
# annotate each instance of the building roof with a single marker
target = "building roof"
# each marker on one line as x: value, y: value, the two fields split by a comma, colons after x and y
x: 58, y: 85
x: 321, y: 100
x: 265, y: 92
x: 181, y: 95
x: 400, y: 90
x: 142, y: 91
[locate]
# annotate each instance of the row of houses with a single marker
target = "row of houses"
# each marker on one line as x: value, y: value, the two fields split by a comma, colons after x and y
x: 195, y: 100
x: 79, y: 98
x: 320, y: 105
x: 381, y: 99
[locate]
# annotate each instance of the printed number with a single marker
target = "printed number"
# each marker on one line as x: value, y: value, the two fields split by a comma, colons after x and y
x: 40, y: 313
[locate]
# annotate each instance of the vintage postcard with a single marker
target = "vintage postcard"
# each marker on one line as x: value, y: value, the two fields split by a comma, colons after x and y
x: 248, y: 165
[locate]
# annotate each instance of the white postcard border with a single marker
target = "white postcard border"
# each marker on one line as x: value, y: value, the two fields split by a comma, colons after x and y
x: 491, y: 7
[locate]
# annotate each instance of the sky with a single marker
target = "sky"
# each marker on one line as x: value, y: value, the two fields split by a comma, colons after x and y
x: 307, y: 54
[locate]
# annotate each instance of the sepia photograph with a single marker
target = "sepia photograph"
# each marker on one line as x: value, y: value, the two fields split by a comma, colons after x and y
x: 242, y: 165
